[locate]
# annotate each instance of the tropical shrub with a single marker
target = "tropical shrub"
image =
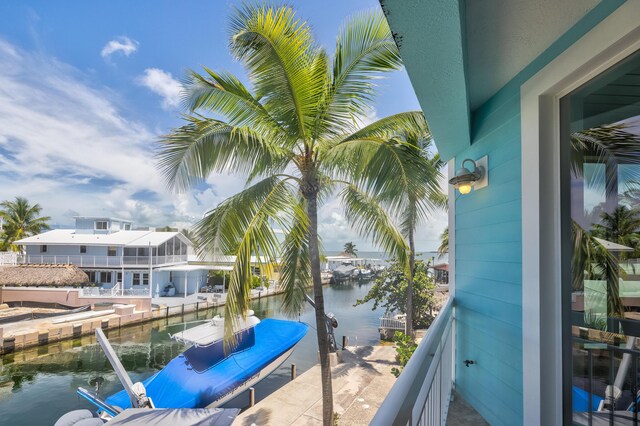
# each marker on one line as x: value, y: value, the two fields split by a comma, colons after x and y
x: 405, y: 347
x: 390, y: 292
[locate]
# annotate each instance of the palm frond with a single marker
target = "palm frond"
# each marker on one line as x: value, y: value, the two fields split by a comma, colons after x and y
x: 242, y: 225
x: 389, y: 168
x: 608, y: 145
x: 225, y: 95
x: 412, y: 123
x: 282, y: 59
x: 295, y: 273
x: 365, y: 214
x: 444, y: 242
x: 591, y: 259
x: 365, y: 49
x: 204, y: 145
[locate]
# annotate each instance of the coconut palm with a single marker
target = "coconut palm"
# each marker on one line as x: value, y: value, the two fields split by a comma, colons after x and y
x: 295, y: 133
x: 416, y: 201
x: 350, y: 249
x: 21, y: 220
x: 591, y: 260
x: 444, y: 242
x: 621, y: 226
x: 609, y: 145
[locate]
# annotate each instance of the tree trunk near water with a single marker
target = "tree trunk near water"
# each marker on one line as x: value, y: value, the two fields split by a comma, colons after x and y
x: 412, y: 263
x: 323, y: 340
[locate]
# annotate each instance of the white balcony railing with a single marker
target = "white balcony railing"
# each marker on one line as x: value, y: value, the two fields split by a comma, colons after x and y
x: 88, y: 261
x: 142, y: 291
x: 422, y: 393
x: 8, y: 257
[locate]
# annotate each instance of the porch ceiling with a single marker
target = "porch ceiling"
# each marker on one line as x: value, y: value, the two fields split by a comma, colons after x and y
x: 460, y: 53
x: 504, y: 36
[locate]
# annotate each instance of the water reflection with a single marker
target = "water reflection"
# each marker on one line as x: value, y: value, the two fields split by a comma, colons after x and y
x: 48, y: 376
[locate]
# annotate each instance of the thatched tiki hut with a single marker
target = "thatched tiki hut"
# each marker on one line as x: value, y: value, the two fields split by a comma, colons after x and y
x: 42, y: 276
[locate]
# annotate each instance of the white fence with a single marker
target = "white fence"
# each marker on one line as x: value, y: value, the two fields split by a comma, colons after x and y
x: 8, y: 258
x: 101, y: 261
x: 392, y: 323
x: 422, y: 393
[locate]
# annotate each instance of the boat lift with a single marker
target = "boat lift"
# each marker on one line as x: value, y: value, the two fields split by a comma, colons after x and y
x: 330, y: 322
x: 136, y: 391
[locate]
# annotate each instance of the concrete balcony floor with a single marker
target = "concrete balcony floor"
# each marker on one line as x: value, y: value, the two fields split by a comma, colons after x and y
x: 462, y: 414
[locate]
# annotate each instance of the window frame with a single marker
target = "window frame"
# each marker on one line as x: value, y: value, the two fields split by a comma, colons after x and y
x: 612, y: 40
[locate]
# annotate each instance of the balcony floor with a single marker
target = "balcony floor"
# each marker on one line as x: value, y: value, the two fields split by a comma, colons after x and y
x: 461, y: 414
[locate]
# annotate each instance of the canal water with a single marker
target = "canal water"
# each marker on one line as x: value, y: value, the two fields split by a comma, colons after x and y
x: 37, y: 386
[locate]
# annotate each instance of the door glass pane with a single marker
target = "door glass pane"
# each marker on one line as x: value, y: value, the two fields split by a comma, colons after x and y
x: 601, y: 134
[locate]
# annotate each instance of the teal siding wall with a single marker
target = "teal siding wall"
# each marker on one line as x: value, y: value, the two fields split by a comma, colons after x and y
x: 489, y: 272
x: 489, y: 248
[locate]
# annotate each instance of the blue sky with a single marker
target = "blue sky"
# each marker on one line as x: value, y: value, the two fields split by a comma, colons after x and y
x: 86, y: 88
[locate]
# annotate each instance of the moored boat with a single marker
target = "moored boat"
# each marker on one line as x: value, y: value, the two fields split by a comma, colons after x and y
x: 204, y: 375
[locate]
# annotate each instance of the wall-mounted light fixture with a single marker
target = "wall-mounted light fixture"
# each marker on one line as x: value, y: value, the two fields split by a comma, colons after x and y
x: 466, y: 179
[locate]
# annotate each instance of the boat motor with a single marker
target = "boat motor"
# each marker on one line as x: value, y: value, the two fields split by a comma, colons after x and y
x: 330, y: 322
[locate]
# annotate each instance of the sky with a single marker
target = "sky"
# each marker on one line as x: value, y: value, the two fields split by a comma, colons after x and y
x: 87, y: 89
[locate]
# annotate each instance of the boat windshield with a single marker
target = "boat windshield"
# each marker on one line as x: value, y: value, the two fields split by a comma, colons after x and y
x: 202, y: 358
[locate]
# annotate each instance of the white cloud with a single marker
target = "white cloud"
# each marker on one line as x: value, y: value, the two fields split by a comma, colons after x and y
x: 67, y: 145
x: 120, y: 44
x: 162, y: 83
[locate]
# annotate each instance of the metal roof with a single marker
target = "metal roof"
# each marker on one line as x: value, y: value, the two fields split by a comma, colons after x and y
x: 120, y: 238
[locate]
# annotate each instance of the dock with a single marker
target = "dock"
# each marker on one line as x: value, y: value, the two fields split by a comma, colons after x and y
x: 360, y: 384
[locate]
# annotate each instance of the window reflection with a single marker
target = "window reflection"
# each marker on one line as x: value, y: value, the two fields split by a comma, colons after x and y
x: 603, y: 122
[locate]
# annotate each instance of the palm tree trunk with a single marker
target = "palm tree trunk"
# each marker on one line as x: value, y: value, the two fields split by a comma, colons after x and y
x: 323, y: 340
x: 412, y: 262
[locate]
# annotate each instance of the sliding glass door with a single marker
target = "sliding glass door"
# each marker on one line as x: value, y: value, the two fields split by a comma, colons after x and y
x: 600, y: 125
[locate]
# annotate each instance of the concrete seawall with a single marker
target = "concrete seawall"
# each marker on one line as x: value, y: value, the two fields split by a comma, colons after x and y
x: 24, y: 334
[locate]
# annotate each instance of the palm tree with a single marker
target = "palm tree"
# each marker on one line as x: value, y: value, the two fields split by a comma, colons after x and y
x: 350, y: 249
x: 444, y: 242
x: 591, y: 260
x: 609, y: 145
x: 418, y: 199
x: 295, y: 134
x: 621, y: 226
x: 21, y: 220
x: 188, y: 232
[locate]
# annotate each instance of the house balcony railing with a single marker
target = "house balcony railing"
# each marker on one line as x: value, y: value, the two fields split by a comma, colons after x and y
x: 422, y: 393
x: 88, y: 261
x: 117, y: 290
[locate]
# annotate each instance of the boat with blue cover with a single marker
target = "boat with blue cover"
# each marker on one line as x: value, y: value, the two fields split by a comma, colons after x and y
x: 204, y: 375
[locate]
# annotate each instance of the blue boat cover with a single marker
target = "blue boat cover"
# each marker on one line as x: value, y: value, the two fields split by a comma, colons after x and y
x: 581, y: 400
x: 181, y: 385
